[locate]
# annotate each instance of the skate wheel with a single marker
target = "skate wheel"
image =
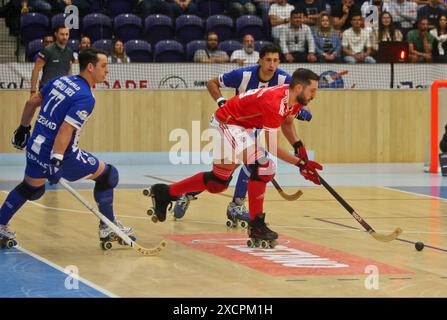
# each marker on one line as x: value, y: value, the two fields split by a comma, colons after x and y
x: 250, y: 243
x: 9, y: 244
x: 264, y: 244
x: 150, y: 212
x: 154, y: 219
x: 273, y: 243
x: 229, y: 223
x: 106, y: 245
x: 243, y: 224
x: 147, y: 192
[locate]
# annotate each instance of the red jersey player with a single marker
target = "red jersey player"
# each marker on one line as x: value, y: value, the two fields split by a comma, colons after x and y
x: 269, y: 108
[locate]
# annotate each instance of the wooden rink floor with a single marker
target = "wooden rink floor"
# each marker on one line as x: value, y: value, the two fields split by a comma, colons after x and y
x: 322, y: 251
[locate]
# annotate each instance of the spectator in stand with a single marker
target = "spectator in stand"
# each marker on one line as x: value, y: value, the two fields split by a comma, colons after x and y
x: 237, y: 8
x: 404, y: 14
x: 246, y: 55
x: 180, y: 7
x: 118, y: 54
x: 279, y: 15
x: 386, y: 32
x: 47, y: 40
x: 327, y: 40
x: 420, y: 43
x: 356, y: 42
x: 381, y: 7
x: 85, y: 43
x: 263, y: 7
x: 311, y: 9
x: 431, y: 12
x: 343, y: 13
x: 41, y: 6
x: 211, y: 54
x: 440, y: 43
x: 296, y: 41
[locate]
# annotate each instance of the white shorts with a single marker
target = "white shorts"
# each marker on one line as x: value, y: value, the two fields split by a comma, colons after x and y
x: 230, y: 142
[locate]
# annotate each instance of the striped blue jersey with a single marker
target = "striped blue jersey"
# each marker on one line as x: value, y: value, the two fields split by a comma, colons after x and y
x: 65, y: 99
x: 247, y: 78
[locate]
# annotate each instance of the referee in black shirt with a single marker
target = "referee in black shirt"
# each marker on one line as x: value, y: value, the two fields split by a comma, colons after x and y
x: 55, y: 60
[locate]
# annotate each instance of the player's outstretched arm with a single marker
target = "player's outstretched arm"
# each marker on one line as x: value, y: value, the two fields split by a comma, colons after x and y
x: 289, y: 131
x: 34, y: 102
x: 213, y: 87
x: 63, y: 138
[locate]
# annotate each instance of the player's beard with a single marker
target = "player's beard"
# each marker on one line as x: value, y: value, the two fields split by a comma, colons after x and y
x: 302, y: 100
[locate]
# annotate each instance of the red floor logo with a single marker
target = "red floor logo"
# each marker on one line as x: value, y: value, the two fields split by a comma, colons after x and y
x: 290, y: 257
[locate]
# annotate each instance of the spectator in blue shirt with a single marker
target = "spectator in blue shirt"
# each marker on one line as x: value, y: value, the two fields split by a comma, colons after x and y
x: 327, y: 40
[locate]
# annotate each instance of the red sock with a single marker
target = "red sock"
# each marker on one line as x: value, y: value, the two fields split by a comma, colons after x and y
x: 191, y: 184
x: 256, y: 191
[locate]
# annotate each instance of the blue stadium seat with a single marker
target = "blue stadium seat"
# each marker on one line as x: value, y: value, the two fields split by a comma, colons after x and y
x: 169, y: 51
x: 59, y: 20
x: 103, y: 44
x: 229, y: 46
x: 188, y: 28
x: 116, y: 7
x: 206, y: 8
x: 97, y: 26
x: 73, y: 44
x: 222, y: 25
x: 138, y: 51
x: 32, y: 49
x: 33, y: 26
x: 158, y: 27
x: 127, y: 27
x: 249, y: 24
x: 192, y: 47
x: 259, y: 44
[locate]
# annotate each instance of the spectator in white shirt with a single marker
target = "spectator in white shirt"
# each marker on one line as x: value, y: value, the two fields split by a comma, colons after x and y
x: 356, y: 42
x: 404, y: 14
x: 246, y: 55
x: 279, y: 15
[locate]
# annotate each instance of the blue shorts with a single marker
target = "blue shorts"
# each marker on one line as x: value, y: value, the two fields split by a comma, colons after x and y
x: 77, y: 166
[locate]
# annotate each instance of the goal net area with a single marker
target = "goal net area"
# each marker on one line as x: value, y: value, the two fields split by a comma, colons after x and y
x: 438, y: 123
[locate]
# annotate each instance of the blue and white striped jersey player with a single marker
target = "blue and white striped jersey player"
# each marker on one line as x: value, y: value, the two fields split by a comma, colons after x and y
x: 265, y: 74
x: 52, y: 151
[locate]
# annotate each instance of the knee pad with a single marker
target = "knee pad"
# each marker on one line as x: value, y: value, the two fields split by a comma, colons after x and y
x: 263, y: 170
x: 108, y: 180
x: 215, y: 184
x: 29, y: 192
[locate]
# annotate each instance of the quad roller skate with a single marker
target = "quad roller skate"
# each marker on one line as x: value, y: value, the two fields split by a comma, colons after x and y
x: 7, y: 237
x: 182, y: 205
x: 237, y: 213
x: 260, y: 235
x: 161, y: 201
x: 107, y: 236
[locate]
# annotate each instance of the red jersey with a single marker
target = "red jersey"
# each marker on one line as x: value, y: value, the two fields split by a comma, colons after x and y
x: 258, y: 108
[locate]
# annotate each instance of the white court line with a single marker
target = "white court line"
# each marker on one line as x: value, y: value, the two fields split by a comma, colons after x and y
x: 55, y: 266
x: 415, y: 193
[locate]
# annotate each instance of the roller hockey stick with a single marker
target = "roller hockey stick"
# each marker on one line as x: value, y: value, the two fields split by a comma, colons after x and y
x: 368, y: 228
x: 122, y: 235
x: 288, y: 197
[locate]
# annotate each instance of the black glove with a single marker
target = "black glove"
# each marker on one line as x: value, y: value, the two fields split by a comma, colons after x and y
x: 21, y: 136
x: 443, y: 143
